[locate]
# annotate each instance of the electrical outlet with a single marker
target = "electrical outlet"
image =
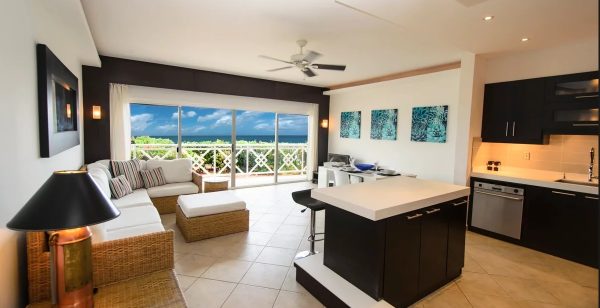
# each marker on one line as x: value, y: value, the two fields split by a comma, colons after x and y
x: 526, y: 155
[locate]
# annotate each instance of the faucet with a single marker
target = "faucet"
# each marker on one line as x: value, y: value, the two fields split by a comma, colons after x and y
x: 591, y: 169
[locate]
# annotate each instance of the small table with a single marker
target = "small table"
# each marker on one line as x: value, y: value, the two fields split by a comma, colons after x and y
x: 215, y: 184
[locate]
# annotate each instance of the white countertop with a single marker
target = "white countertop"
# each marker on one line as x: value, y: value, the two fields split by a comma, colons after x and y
x: 382, y: 199
x: 534, y: 177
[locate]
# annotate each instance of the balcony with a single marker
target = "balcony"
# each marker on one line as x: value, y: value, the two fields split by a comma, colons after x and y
x: 254, y: 162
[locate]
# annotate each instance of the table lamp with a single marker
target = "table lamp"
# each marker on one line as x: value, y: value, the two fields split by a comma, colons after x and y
x: 65, y: 205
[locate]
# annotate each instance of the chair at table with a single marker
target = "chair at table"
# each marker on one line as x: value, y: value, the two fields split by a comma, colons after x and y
x: 303, y: 197
x: 340, y: 178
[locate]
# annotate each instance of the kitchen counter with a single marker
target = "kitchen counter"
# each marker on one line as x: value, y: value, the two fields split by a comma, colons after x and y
x: 534, y: 177
x: 382, y: 199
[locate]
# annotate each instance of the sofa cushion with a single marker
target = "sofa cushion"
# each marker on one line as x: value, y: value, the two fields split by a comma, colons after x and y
x: 131, y: 217
x: 210, y: 203
x: 176, y: 170
x: 119, y: 187
x: 101, y: 180
x: 153, y: 177
x: 173, y: 189
x: 133, y: 231
x: 130, y: 169
x: 139, y: 197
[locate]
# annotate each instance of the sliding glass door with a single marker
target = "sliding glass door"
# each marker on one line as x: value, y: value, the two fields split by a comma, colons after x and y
x: 269, y: 147
x: 255, y: 148
x: 292, y: 147
x: 206, y: 140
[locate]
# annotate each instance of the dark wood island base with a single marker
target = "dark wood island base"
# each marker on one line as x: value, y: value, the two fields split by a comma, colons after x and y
x: 400, y: 259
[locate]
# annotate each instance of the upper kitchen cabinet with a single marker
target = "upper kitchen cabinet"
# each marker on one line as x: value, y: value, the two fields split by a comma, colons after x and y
x: 512, y: 112
x: 571, y: 104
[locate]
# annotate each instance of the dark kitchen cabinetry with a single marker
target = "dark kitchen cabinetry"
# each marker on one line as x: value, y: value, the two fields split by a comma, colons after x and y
x: 571, y: 104
x: 562, y: 223
x: 512, y: 112
x: 427, y: 248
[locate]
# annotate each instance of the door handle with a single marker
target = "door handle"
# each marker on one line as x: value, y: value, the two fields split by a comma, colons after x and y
x: 506, y: 130
x: 585, y: 124
x: 513, y: 128
x: 590, y: 197
x: 459, y: 203
x: 586, y: 96
x: 414, y: 216
x: 497, y: 195
x: 432, y: 211
x: 563, y: 193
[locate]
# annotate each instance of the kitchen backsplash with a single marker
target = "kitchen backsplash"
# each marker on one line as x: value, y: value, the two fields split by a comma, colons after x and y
x: 564, y: 153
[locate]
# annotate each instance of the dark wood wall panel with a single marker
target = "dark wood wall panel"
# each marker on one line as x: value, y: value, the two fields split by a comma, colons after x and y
x: 116, y: 70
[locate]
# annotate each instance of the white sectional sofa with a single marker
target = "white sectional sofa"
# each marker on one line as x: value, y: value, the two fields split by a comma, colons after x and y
x: 140, y: 211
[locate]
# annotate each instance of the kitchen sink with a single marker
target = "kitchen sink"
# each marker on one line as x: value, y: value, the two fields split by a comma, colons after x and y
x: 593, y: 184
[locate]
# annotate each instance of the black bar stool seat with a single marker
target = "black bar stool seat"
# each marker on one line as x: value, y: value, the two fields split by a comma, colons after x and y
x: 303, y: 197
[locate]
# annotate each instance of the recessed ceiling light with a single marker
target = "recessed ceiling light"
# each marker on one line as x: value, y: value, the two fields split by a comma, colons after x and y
x: 488, y: 18
x: 524, y: 39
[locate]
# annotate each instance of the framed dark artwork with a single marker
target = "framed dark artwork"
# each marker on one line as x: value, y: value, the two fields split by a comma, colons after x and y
x: 429, y: 124
x: 350, y: 124
x: 57, y: 104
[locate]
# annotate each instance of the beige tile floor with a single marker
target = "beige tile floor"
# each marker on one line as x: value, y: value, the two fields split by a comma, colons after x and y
x: 255, y: 269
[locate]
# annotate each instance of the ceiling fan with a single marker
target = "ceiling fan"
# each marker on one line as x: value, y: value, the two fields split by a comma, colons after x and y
x: 305, y: 62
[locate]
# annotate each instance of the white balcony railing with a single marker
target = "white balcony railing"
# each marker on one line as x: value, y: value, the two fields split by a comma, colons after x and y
x: 216, y: 158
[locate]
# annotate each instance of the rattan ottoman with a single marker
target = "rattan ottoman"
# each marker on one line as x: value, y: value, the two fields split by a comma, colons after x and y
x: 202, y: 216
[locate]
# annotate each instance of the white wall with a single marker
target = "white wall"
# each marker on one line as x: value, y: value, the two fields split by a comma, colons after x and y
x: 580, y: 56
x: 427, y: 160
x: 62, y: 26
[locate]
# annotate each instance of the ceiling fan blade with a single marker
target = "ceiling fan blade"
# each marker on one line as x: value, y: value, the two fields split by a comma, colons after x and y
x: 274, y: 59
x: 311, y: 56
x: 329, y: 67
x: 309, y: 73
x: 281, y: 68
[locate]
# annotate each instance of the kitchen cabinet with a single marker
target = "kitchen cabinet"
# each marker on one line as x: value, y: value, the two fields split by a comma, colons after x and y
x: 562, y: 223
x: 512, y: 112
x: 457, y: 226
x: 571, y: 104
x: 427, y: 248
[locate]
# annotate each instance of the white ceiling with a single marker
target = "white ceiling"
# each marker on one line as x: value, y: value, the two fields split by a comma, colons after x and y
x: 373, y: 38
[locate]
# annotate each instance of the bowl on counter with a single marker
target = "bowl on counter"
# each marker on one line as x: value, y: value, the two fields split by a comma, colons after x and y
x: 364, y: 167
x: 388, y: 172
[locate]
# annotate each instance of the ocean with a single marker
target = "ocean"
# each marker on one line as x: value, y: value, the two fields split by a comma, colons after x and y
x: 257, y: 138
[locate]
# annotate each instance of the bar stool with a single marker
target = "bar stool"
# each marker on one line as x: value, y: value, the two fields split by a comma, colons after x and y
x: 303, y: 197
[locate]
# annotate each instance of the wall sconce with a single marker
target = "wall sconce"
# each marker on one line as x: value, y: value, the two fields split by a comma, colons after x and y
x: 324, y: 123
x: 96, y: 113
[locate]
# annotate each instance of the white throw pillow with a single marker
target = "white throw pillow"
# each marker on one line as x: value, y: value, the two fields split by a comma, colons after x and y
x: 100, y: 166
x: 101, y: 180
x: 176, y: 170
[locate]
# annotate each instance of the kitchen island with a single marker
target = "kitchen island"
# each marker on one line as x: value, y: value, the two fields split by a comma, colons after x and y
x: 390, y: 242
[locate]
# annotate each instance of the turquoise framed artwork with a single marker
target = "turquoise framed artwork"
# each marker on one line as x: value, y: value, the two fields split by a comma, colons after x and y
x: 429, y: 124
x: 384, y: 124
x: 350, y: 124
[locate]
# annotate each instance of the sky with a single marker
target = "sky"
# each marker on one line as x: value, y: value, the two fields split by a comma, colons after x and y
x: 153, y: 120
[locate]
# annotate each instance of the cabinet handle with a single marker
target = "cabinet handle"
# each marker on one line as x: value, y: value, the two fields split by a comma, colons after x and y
x: 432, y: 211
x: 513, y: 128
x: 459, y: 203
x: 563, y: 193
x: 585, y: 124
x: 586, y: 96
x: 590, y: 197
x: 414, y: 216
x: 506, y: 130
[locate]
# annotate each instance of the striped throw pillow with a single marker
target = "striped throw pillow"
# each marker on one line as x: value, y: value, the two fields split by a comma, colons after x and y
x: 130, y: 169
x: 119, y: 187
x: 153, y: 177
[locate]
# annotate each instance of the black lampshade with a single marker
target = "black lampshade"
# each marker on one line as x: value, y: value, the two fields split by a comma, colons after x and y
x: 68, y: 199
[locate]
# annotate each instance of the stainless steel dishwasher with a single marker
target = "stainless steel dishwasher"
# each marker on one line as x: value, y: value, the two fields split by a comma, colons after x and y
x: 498, y: 208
